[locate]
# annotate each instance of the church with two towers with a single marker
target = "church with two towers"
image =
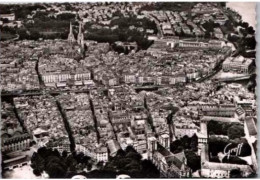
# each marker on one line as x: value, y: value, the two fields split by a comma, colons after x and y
x: 80, y: 39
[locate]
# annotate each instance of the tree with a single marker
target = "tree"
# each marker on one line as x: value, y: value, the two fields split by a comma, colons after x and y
x: 100, y: 164
x: 42, y: 151
x: 235, y: 173
x: 222, y: 4
x: 130, y: 149
x: 236, y: 131
x: 89, y: 166
x: 215, y: 127
x: 5, y: 20
x: 65, y: 16
x: 54, y: 170
x: 149, y: 170
x: 34, y: 35
x: 37, y: 163
x: 246, y: 150
x: 71, y: 163
x: 250, y: 42
x: 252, y: 175
x: 85, y: 159
x: 174, y: 145
x: 37, y: 172
x: 245, y: 25
x: 193, y: 161
x: 251, y: 30
x: 186, y: 142
x: 233, y: 160
x: 79, y: 157
x: 64, y: 154
x: 194, y: 142
x: 120, y: 153
x: 217, y: 145
x: 56, y: 153
x: 134, y: 156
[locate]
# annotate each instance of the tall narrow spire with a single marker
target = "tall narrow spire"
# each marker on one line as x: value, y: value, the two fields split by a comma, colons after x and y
x: 70, y: 27
x: 80, y: 39
x: 71, y: 37
x: 80, y: 28
x: 80, y: 33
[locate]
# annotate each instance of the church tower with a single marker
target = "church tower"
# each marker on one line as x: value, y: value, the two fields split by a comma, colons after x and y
x: 152, y: 146
x: 71, y: 37
x: 164, y: 140
x: 80, y: 39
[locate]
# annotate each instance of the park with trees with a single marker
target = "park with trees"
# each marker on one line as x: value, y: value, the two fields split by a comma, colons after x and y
x: 59, y: 165
x: 225, y: 136
x: 67, y: 165
x: 129, y: 162
x: 223, y: 145
x: 232, y: 130
x: 122, y: 32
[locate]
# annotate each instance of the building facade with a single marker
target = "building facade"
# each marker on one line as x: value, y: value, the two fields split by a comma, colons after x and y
x: 237, y: 64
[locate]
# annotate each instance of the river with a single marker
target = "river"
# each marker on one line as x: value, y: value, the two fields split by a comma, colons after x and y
x: 246, y: 9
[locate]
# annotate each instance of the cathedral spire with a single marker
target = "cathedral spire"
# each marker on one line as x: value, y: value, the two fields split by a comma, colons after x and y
x: 70, y: 27
x: 71, y: 37
x: 80, y: 38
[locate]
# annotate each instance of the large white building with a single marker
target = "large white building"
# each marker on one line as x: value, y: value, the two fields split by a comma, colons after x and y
x: 237, y: 64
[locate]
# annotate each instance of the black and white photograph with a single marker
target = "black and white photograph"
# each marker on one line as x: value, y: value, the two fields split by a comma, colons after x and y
x: 128, y: 90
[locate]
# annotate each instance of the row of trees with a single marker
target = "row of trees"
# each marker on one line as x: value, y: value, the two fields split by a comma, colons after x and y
x: 58, y: 165
x: 127, y: 162
x: 47, y: 27
x: 20, y: 10
x: 244, y: 39
x: 237, y: 173
x: 130, y: 162
x: 209, y: 27
x: 43, y: 26
x: 123, y: 33
x: 232, y: 130
x: 183, y: 143
x: 168, y: 6
x: 50, y: 27
x: 125, y: 22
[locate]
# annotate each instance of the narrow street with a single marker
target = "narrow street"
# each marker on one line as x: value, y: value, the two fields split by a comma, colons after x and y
x: 67, y: 126
x: 149, y: 116
x: 114, y: 131
x: 38, y: 73
x: 94, y: 118
x: 21, y: 121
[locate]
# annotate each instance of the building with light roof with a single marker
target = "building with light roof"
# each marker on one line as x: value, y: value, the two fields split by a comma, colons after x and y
x: 237, y: 64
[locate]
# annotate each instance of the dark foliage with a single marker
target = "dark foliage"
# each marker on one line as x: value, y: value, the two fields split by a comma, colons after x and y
x: 122, y: 33
x: 233, y: 160
x: 232, y: 130
x: 235, y: 131
x: 236, y: 173
x: 217, y: 145
x: 193, y: 160
x: 184, y: 143
x: 128, y: 162
x: 55, y: 164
